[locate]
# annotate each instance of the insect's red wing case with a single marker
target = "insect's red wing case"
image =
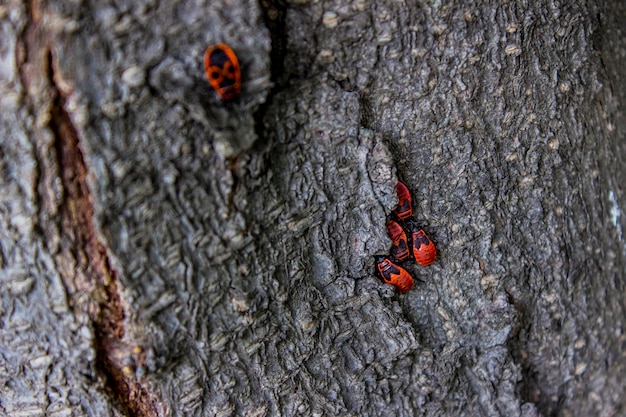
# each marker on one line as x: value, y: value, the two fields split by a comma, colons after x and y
x: 424, y: 250
x: 405, y: 205
x: 222, y: 70
x: 394, y: 274
x: 400, y: 248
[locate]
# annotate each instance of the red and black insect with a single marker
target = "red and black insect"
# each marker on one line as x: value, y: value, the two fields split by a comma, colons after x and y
x: 400, y: 243
x: 222, y: 69
x: 424, y: 250
x: 405, y: 208
x: 393, y: 274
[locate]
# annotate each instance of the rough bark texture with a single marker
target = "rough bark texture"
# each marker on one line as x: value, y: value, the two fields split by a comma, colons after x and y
x: 165, y: 253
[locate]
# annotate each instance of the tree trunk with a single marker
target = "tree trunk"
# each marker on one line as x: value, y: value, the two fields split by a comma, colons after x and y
x: 163, y: 252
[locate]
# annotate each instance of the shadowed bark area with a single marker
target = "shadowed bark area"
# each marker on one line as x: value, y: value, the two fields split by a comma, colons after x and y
x: 165, y: 253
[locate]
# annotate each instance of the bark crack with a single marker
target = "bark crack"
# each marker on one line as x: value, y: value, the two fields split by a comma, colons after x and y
x: 112, y: 352
x: 274, y: 12
x: 88, y: 268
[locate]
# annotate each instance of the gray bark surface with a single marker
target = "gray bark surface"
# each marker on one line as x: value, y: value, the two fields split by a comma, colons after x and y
x: 165, y: 253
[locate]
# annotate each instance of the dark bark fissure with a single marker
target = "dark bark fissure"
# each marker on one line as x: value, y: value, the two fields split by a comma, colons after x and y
x: 274, y: 12
x: 274, y: 15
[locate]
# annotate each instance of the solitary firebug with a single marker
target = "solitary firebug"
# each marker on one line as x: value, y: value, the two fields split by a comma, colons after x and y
x: 393, y: 274
x: 424, y: 250
x: 405, y: 208
x: 222, y: 69
x: 400, y: 243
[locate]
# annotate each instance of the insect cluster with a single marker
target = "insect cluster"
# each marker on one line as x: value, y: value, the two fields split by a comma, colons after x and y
x: 408, y: 242
x: 408, y: 239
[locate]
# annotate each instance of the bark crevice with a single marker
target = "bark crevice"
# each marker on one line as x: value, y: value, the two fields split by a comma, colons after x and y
x: 87, y: 267
x: 116, y: 359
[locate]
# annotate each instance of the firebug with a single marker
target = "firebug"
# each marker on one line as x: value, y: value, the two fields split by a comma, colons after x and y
x: 393, y: 274
x: 400, y: 243
x: 222, y: 69
x: 424, y: 250
x: 405, y: 207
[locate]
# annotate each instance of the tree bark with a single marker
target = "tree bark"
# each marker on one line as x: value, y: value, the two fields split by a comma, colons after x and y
x: 163, y: 252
